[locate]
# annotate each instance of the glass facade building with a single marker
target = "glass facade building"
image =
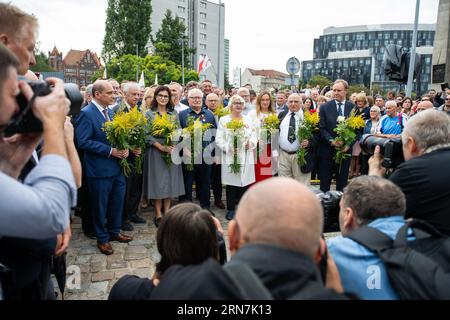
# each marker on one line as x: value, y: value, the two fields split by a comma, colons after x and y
x: 356, y: 54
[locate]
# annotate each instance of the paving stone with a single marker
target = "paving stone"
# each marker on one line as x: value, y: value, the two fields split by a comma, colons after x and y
x: 144, y: 263
x: 98, y: 266
x: 83, y: 259
x: 117, y: 265
x: 103, y: 276
x: 140, y: 243
x: 88, y: 250
x: 122, y: 272
x: 97, y: 289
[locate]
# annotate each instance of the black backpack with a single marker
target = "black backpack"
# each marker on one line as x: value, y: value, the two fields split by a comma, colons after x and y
x: 417, y: 269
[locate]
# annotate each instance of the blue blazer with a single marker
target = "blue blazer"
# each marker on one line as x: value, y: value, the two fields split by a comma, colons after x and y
x: 92, y: 140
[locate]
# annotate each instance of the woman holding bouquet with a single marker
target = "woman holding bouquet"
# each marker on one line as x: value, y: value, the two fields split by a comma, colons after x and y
x: 163, y: 179
x: 236, y: 137
x: 265, y: 121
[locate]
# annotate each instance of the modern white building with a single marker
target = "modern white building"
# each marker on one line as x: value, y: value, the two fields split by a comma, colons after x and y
x: 263, y: 79
x: 205, y: 27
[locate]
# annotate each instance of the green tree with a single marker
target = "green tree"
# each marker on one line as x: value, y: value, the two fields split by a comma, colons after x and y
x: 227, y: 85
x: 167, y: 41
x: 124, y: 68
x: 127, y: 28
x: 42, y: 64
x: 319, y: 80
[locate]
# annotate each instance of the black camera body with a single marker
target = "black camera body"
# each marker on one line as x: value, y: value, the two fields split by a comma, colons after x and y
x: 391, y: 149
x: 25, y: 121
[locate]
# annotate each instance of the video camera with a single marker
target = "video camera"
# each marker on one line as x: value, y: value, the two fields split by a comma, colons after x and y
x: 25, y: 121
x: 391, y: 149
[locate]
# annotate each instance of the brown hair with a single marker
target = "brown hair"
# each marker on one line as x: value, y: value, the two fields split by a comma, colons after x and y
x: 187, y: 235
x: 13, y: 20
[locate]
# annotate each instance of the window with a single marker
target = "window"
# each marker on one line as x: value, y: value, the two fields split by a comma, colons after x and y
x: 202, y: 15
x: 181, y: 9
x: 387, y: 36
x: 203, y: 26
x: 347, y: 37
x: 202, y: 36
x: 203, y: 5
x: 339, y: 38
x: 202, y: 46
x: 360, y: 36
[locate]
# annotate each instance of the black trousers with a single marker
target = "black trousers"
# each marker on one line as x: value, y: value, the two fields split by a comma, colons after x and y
x: 85, y: 207
x: 216, y: 182
x: 202, y: 177
x: 328, y: 167
x: 132, y: 195
x: 234, y: 195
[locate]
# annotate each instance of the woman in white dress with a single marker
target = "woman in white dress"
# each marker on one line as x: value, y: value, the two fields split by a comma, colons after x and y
x: 236, y: 183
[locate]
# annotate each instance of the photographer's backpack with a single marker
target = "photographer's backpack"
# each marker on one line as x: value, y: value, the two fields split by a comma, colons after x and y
x: 417, y: 269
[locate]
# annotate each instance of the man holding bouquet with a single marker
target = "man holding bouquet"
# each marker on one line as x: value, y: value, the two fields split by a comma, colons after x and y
x: 106, y: 182
x: 329, y: 114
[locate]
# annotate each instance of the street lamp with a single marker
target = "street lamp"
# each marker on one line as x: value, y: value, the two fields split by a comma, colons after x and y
x: 412, y: 61
x: 181, y: 41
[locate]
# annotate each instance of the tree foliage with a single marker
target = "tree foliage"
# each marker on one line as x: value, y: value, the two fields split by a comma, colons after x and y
x: 42, y: 63
x: 124, y: 68
x: 319, y: 80
x: 358, y: 88
x: 127, y: 28
x: 167, y: 41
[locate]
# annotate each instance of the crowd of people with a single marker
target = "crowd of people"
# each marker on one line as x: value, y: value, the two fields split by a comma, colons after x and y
x: 244, y: 140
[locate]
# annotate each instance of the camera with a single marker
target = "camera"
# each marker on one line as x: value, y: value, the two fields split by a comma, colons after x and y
x: 25, y: 121
x: 391, y: 149
x: 330, y: 204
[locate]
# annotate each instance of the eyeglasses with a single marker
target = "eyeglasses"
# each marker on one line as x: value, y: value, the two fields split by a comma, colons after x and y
x: 195, y: 98
x: 447, y: 99
x: 162, y: 96
x: 238, y: 103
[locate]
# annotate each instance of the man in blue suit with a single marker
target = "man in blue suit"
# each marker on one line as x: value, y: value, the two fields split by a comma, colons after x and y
x: 105, y: 180
x: 329, y: 113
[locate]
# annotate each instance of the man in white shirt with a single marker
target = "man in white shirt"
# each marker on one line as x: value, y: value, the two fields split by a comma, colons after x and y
x: 176, y: 90
x: 289, y: 144
x: 280, y: 103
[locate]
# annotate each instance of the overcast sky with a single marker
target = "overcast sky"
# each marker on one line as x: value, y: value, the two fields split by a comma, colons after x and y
x: 263, y: 34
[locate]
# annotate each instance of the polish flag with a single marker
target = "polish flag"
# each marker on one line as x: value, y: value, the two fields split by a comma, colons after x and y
x: 203, y: 64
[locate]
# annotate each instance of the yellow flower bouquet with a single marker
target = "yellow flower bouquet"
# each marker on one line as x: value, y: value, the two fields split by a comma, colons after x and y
x: 164, y: 126
x: 221, y: 111
x: 236, y: 128
x: 306, y: 131
x: 193, y: 127
x: 271, y: 124
x: 128, y: 131
x: 346, y: 133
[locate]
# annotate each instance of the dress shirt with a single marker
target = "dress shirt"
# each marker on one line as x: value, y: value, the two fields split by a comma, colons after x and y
x: 100, y: 108
x: 284, y: 132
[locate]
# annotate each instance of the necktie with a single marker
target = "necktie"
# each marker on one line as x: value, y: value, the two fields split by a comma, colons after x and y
x: 105, y: 112
x: 291, y: 134
x: 340, y: 112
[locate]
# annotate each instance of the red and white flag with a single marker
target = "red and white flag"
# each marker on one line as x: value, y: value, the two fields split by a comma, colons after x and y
x: 203, y: 64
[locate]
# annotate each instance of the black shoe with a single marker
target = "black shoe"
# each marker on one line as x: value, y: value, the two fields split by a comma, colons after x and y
x: 126, y: 226
x: 156, y: 221
x: 137, y: 219
x: 230, y: 215
x: 90, y: 235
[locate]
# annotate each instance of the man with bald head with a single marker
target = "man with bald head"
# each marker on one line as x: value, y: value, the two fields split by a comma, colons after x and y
x: 105, y: 180
x: 425, y: 105
x: 276, y: 237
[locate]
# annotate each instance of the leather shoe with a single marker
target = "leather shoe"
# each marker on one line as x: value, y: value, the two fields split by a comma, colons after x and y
x: 126, y: 226
x: 230, y: 215
x: 137, y: 219
x: 105, y: 248
x: 122, y: 238
x: 220, y: 205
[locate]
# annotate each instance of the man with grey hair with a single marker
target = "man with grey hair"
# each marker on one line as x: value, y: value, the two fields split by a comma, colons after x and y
x: 392, y: 123
x: 87, y: 95
x: 446, y: 106
x: 424, y: 176
x: 379, y: 204
x: 244, y: 93
x: 117, y: 93
x: 177, y: 90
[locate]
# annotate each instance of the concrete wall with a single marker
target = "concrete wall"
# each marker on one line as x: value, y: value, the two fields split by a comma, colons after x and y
x: 441, y: 53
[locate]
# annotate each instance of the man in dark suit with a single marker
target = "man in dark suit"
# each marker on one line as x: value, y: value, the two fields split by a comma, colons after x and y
x: 329, y: 113
x: 134, y: 182
x: 105, y: 180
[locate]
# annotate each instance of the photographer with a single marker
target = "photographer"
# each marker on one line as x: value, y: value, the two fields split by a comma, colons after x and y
x: 424, y: 176
x: 38, y: 209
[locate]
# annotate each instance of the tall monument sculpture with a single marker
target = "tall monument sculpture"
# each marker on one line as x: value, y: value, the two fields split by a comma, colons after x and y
x: 441, y: 52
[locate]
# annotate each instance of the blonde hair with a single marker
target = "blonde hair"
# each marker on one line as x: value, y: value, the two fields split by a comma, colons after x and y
x: 258, y: 102
x: 13, y: 21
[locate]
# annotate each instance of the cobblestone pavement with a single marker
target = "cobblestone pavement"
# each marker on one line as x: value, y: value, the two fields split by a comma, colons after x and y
x: 100, y: 272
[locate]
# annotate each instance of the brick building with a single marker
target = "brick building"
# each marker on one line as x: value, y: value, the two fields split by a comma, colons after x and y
x: 79, y: 66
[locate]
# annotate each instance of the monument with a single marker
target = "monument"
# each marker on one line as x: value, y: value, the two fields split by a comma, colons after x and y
x: 441, y: 52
